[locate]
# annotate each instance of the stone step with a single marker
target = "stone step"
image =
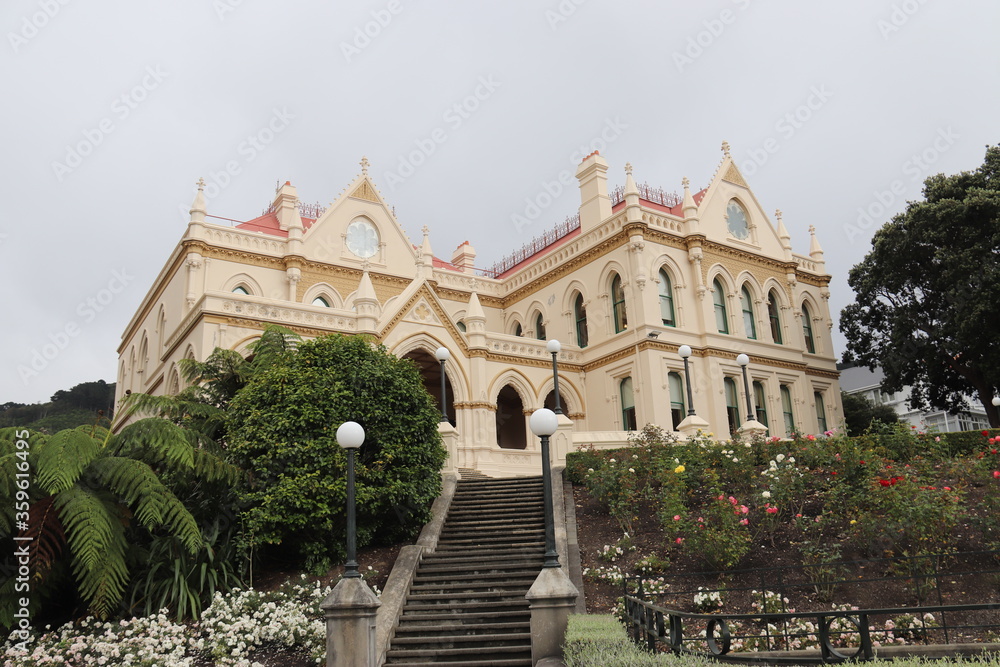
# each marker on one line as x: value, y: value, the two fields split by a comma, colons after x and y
x: 437, y: 615
x: 513, y: 602
x: 487, y: 549
x: 491, y: 639
x: 437, y: 578
x: 461, y: 628
x: 507, y: 581
x: 467, y: 652
x: 463, y: 662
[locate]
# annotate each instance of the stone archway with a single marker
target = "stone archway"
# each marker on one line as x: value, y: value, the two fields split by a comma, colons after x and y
x: 430, y: 371
x: 511, y: 428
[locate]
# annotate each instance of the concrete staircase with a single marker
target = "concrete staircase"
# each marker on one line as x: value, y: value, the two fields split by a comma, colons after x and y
x: 466, y: 605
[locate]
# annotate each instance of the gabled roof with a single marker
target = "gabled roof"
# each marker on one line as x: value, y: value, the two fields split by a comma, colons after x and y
x: 268, y: 224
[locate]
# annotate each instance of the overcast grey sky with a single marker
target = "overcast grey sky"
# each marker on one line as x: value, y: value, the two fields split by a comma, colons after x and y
x: 466, y: 111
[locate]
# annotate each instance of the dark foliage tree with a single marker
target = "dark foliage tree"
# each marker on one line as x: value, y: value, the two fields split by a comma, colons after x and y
x: 282, y: 428
x: 927, y: 295
x: 860, y: 413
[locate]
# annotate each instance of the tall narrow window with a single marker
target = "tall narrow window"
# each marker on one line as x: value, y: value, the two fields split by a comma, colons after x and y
x: 746, y: 303
x: 580, y: 314
x: 461, y: 326
x: 628, y: 404
x: 539, y: 327
x: 786, y: 410
x: 517, y: 329
x: 618, y: 304
x: 820, y: 411
x: 666, y: 300
x: 732, y: 404
x: 677, y: 409
x: 807, y: 330
x: 719, y: 297
x: 774, y: 317
x: 760, y: 402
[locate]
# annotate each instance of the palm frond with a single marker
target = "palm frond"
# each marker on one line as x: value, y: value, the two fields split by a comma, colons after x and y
x: 63, y: 457
x: 155, y: 505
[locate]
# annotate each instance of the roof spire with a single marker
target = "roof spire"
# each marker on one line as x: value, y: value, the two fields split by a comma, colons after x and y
x: 815, y: 250
x: 630, y: 186
x: 689, y: 208
x: 198, y: 209
x: 364, y: 165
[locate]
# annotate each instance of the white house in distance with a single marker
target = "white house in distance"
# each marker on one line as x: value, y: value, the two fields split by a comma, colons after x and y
x: 636, y: 274
x: 860, y: 380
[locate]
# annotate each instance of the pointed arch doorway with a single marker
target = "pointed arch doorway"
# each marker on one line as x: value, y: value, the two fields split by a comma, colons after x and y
x: 510, y: 420
x: 430, y: 371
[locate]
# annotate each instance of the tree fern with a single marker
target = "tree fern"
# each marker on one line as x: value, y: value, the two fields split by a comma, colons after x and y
x: 155, y: 441
x: 63, y: 458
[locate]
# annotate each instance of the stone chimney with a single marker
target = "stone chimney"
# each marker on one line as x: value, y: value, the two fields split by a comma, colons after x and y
x: 595, y: 205
x: 464, y: 257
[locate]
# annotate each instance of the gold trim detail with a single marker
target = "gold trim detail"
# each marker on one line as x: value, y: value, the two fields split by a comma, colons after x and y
x: 733, y: 176
x: 365, y: 191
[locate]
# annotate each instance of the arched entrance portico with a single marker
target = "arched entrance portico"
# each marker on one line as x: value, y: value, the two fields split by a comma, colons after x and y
x: 430, y: 371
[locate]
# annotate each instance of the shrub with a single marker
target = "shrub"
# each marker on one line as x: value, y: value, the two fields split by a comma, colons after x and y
x: 282, y: 428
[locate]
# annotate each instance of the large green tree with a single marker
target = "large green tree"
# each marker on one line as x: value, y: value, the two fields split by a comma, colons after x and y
x: 860, y: 413
x: 927, y: 295
x: 281, y: 430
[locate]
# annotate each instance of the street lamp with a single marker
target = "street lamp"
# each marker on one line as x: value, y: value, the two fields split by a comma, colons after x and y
x: 685, y: 352
x: 443, y: 355
x: 350, y: 436
x: 743, y: 360
x: 544, y: 423
x: 553, y: 346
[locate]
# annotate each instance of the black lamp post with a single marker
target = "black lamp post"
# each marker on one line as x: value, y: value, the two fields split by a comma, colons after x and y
x: 350, y: 436
x: 743, y: 360
x: 443, y: 355
x: 544, y: 423
x: 685, y: 352
x: 553, y: 346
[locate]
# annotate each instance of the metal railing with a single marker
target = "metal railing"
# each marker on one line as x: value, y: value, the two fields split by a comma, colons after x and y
x: 535, y: 246
x: 792, y: 620
x: 648, y: 193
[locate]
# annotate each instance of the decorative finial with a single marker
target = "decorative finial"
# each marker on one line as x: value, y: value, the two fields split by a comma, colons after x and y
x: 426, y: 230
x: 201, y: 184
x: 685, y: 182
x: 364, y: 165
x: 812, y: 229
x: 777, y: 214
x: 365, y: 265
x: 474, y: 285
x: 725, y: 148
x: 628, y: 167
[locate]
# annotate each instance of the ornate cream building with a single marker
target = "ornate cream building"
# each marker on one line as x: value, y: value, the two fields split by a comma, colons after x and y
x: 638, y: 273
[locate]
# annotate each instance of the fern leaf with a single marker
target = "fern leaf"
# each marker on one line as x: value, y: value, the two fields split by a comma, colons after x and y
x: 50, y: 539
x: 63, y: 458
x: 90, y: 524
x: 103, y: 583
x: 156, y: 441
x: 155, y: 505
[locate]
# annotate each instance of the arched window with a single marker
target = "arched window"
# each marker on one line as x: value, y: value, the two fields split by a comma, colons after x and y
x: 517, y: 329
x: 746, y: 303
x: 807, y: 330
x: 461, y: 326
x: 786, y: 410
x: 732, y: 404
x: 618, y: 304
x: 760, y: 402
x: 677, y: 409
x: 666, y: 300
x: 539, y: 327
x: 628, y: 404
x: 719, y: 297
x: 580, y: 315
x: 320, y: 301
x: 240, y: 289
x: 774, y: 317
x: 820, y: 411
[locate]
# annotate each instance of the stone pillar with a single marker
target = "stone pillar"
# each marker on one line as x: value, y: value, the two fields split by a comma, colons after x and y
x: 350, y: 624
x: 691, y: 425
x: 552, y: 599
x: 449, y: 438
x: 752, y: 429
x: 562, y: 441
